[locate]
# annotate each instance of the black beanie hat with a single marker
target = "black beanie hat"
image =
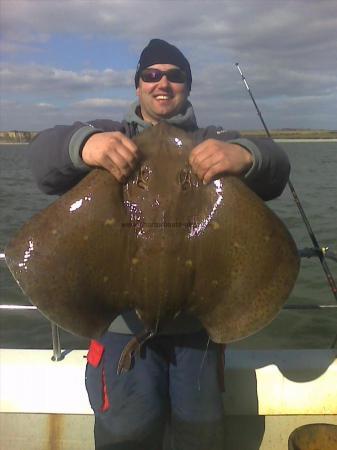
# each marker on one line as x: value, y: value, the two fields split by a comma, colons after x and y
x: 161, y: 52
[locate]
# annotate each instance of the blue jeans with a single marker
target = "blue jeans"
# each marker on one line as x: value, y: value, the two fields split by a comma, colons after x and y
x: 172, y: 386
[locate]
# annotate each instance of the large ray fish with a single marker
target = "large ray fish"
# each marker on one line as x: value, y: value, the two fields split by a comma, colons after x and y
x: 161, y: 244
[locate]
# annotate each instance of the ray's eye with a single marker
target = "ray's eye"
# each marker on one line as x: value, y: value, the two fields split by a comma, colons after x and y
x: 143, y: 177
x: 185, y: 180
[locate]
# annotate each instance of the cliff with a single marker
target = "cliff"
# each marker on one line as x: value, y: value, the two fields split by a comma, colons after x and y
x: 16, y: 137
x: 293, y: 134
x: 21, y: 137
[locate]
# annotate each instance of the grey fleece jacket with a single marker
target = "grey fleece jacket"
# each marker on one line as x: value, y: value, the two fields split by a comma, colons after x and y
x: 55, y: 158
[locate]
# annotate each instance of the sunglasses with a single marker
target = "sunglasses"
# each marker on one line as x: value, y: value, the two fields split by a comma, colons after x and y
x: 155, y: 75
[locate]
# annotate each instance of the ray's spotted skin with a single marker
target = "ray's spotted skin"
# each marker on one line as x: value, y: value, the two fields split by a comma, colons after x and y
x: 161, y: 243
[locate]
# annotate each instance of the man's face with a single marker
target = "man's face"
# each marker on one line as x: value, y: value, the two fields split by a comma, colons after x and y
x: 162, y: 99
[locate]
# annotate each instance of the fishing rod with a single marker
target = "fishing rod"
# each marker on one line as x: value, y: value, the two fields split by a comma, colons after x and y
x: 310, y: 252
x: 320, y: 251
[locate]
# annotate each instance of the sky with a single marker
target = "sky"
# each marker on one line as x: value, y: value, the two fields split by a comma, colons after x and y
x: 69, y: 60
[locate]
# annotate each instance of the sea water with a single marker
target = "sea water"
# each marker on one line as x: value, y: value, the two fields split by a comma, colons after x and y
x: 314, y: 176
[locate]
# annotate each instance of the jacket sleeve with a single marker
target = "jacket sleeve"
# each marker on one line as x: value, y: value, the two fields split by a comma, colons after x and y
x: 54, y: 154
x: 271, y: 168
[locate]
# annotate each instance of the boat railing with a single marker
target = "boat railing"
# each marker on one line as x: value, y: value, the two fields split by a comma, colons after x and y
x: 55, y: 329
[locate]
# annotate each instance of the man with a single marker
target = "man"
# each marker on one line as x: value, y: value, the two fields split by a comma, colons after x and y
x: 175, y: 379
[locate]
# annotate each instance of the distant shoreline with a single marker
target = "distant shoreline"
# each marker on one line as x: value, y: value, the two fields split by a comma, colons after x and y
x: 279, y: 141
x: 276, y: 140
x: 305, y: 140
x: 13, y: 143
x: 283, y: 135
x: 16, y: 137
x: 295, y: 135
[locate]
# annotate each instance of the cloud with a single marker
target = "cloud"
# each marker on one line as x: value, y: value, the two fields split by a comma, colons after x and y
x: 92, y: 108
x: 34, y: 78
x: 102, y: 103
x: 285, y: 49
x: 30, y: 116
x: 239, y: 26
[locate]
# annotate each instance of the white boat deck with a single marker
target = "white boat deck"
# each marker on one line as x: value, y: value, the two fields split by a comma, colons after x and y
x: 44, y: 405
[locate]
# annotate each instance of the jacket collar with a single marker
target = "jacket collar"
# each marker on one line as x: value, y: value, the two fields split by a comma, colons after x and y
x: 185, y: 119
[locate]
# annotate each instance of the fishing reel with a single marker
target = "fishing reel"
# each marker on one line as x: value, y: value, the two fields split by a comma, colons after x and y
x: 310, y: 252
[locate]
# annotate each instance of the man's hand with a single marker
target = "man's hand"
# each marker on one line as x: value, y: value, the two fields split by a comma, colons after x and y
x: 212, y: 159
x: 112, y: 150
